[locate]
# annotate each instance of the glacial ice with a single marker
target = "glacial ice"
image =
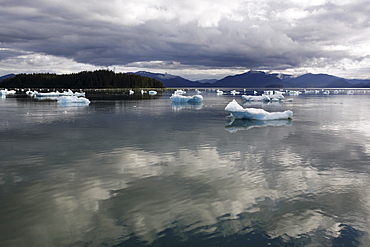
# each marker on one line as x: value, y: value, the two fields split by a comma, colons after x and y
x: 238, y: 112
x: 266, y: 96
x: 7, y: 92
x: 179, y: 98
x: 73, y: 100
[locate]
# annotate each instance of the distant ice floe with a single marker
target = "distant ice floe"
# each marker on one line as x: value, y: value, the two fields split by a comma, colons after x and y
x: 177, y: 97
x: 266, y: 96
x: 55, y: 94
x: 238, y: 112
x: 67, y: 100
x: 152, y: 92
x: 219, y: 92
x: 4, y: 92
x: 234, y: 92
x: 294, y: 93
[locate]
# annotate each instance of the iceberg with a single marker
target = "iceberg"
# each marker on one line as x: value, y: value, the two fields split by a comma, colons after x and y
x: 294, y: 93
x: 178, y: 98
x: 256, y: 98
x: 238, y: 112
x: 350, y: 92
x: 7, y: 92
x: 73, y: 100
x: 152, y: 92
x: 219, y: 92
x: 179, y: 91
x: 267, y: 96
x: 233, y: 92
x: 55, y: 94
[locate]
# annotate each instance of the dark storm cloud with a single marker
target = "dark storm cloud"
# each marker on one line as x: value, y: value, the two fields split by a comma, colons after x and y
x: 250, y: 34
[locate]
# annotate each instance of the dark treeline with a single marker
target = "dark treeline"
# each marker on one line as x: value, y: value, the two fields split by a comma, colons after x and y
x: 85, y: 79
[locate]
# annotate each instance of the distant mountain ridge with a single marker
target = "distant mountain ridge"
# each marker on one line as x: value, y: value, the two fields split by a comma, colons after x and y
x: 169, y: 80
x: 316, y: 80
x: 6, y: 76
x: 249, y: 79
x: 255, y: 79
x: 260, y: 79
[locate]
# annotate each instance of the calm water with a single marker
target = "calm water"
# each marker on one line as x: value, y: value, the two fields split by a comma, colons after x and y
x: 143, y: 172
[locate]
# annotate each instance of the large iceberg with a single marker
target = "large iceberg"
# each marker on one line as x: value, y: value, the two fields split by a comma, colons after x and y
x: 238, y: 112
x: 179, y: 98
x: 66, y: 100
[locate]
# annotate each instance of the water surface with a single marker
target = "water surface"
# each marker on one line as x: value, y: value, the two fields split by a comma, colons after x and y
x: 143, y: 172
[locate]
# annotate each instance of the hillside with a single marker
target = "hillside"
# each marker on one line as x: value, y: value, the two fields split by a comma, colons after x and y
x: 85, y: 79
x: 6, y: 76
x: 256, y: 79
x: 109, y: 79
x: 169, y: 80
x: 316, y: 80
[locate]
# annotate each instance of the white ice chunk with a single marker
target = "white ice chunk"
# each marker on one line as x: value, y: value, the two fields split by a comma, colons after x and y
x: 73, y: 100
x: 238, y: 112
x: 178, y: 98
x: 256, y: 98
x: 7, y: 92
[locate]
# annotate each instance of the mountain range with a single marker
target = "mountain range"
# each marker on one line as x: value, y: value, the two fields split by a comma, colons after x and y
x: 6, y: 76
x: 260, y: 79
x: 255, y: 79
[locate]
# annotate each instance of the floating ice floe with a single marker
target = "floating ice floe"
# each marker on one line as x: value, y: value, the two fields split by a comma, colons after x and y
x: 256, y: 97
x: 152, y: 92
x: 73, y: 100
x: 233, y: 92
x: 179, y: 91
x: 238, y: 112
x: 326, y: 92
x: 55, y: 94
x: 219, y: 92
x: 294, y: 93
x: 7, y: 92
x: 350, y: 92
x: 179, y: 98
x: 267, y: 96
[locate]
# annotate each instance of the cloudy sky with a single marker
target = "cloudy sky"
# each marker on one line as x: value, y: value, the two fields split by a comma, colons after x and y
x: 195, y: 39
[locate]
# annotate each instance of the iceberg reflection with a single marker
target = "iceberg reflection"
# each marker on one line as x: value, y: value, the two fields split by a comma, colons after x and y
x: 177, y: 106
x: 233, y: 125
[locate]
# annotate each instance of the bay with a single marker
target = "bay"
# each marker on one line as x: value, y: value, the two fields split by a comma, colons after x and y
x: 140, y: 171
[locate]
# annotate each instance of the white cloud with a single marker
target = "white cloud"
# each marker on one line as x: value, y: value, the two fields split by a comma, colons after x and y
x: 217, y: 35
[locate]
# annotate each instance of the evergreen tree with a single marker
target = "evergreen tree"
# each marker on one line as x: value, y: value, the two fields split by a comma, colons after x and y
x: 84, y: 79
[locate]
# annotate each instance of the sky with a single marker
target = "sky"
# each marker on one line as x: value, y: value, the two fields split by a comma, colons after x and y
x: 195, y: 39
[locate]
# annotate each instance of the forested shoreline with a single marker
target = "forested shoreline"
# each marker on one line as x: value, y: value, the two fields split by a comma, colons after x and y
x: 81, y: 80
